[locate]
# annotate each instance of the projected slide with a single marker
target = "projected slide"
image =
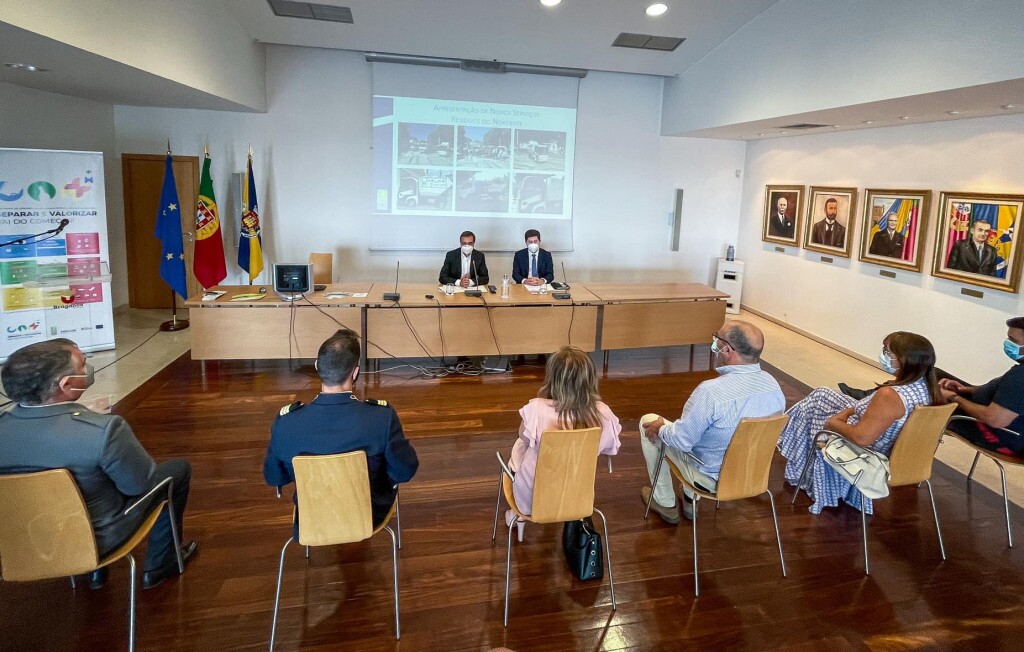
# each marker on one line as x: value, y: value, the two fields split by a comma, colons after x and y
x: 442, y: 158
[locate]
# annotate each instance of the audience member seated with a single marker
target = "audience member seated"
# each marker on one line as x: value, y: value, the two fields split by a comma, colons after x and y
x: 873, y: 422
x: 999, y: 403
x: 48, y: 429
x: 568, y: 400
x: 710, y: 417
x: 533, y: 265
x: 337, y: 422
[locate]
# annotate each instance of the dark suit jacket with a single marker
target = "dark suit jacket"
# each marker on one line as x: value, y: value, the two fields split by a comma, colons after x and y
x: 521, y: 265
x: 781, y: 228
x: 100, y: 450
x: 339, y: 423
x: 838, y: 235
x: 883, y: 245
x: 451, y: 271
x: 964, y: 257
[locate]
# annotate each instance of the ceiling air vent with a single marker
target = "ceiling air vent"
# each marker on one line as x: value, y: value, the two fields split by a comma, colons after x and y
x: 292, y: 9
x: 803, y: 125
x: 647, y: 42
x: 482, y: 66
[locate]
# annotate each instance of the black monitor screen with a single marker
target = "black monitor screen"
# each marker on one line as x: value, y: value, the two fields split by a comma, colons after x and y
x: 291, y: 278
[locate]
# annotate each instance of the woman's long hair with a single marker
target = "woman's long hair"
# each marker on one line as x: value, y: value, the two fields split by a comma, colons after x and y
x: 916, y: 358
x: 570, y: 380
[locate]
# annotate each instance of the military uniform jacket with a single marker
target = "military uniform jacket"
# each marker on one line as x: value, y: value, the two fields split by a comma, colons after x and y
x: 100, y: 450
x: 340, y: 423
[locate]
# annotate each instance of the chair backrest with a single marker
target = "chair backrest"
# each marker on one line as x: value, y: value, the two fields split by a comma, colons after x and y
x: 749, y: 457
x: 563, y: 489
x: 45, y: 529
x: 334, y: 498
x: 323, y: 268
x: 910, y: 461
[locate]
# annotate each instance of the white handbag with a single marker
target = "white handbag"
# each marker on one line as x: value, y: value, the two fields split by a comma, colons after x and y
x: 864, y: 468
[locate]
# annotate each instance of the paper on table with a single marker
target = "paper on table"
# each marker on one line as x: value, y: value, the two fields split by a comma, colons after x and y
x: 535, y: 289
x: 457, y: 288
x: 341, y: 295
x: 212, y: 295
x: 252, y: 296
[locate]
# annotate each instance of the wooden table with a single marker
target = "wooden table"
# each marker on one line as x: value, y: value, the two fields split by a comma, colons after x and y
x: 598, y: 317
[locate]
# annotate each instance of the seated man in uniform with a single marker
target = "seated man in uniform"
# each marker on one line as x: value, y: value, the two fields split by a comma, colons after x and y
x: 337, y: 422
x: 48, y: 429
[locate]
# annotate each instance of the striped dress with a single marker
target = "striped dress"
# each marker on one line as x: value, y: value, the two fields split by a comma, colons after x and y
x: 825, y: 486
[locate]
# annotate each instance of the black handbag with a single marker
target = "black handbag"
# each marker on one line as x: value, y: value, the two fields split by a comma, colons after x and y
x: 582, y: 545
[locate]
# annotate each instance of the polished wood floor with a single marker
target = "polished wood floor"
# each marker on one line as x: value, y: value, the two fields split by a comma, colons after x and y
x: 452, y: 575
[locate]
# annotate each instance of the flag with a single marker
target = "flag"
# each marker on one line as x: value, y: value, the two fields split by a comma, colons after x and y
x: 958, y: 226
x: 208, y: 261
x: 250, y: 246
x: 1001, y: 236
x: 168, y: 230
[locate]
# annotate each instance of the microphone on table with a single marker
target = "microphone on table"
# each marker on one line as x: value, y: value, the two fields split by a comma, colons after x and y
x: 394, y: 296
x: 565, y: 286
x: 60, y: 227
x: 476, y: 281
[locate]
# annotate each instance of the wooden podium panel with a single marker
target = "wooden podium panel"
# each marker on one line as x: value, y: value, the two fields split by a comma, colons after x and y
x: 415, y: 295
x: 668, y: 323
x: 628, y: 292
x: 243, y: 332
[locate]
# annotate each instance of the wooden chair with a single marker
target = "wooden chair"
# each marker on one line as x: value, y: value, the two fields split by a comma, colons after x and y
x: 563, y: 489
x: 47, y: 532
x: 998, y: 458
x: 323, y: 268
x: 910, y: 462
x: 334, y: 503
x: 744, y: 474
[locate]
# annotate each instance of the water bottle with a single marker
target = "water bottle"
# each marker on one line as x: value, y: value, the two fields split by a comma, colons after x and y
x: 504, y: 286
x: 730, y: 253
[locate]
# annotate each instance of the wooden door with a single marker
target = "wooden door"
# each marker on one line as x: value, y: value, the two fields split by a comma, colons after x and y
x: 143, y: 176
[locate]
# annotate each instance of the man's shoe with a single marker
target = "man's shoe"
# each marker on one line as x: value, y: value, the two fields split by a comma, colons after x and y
x: 853, y: 392
x: 98, y: 578
x: 152, y: 579
x: 668, y: 514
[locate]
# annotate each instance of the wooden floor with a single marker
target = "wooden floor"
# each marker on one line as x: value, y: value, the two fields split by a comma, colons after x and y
x: 452, y: 575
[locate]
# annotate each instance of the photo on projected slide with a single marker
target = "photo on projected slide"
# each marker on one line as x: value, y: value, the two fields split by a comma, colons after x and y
x: 482, y: 147
x: 482, y: 192
x: 539, y: 150
x: 420, y: 189
x: 425, y: 144
x: 539, y: 193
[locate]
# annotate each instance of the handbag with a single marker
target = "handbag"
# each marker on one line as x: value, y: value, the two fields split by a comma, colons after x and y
x: 864, y: 468
x: 582, y: 545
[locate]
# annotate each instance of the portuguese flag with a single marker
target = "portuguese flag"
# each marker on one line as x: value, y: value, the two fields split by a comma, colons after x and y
x: 208, y: 261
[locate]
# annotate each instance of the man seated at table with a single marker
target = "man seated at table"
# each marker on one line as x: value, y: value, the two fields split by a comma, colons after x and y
x: 533, y: 265
x: 464, y: 266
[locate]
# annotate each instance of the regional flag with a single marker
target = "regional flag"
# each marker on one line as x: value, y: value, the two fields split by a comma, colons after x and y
x: 208, y: 259
x: 250, y: 246
x: 168, y: 230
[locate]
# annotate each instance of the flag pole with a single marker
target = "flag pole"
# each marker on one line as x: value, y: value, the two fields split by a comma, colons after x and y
x: 174, y: 324
x: 248, y: 172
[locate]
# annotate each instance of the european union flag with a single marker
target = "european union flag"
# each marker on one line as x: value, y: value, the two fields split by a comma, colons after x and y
x: 168, y: 230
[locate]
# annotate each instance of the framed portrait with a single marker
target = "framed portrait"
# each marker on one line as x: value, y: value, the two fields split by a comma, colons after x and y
x: 894, y: 228
x: 975, y: 239
x: 829, y: 224
x: 782, y: 214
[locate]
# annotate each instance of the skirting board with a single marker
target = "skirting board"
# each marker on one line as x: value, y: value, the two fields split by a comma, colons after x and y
x: 812, y: 336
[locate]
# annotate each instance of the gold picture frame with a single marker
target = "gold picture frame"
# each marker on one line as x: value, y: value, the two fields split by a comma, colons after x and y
x: 975, y: 239
x: 785, y: 228
x: 830, y: 236
x: 893, y: 228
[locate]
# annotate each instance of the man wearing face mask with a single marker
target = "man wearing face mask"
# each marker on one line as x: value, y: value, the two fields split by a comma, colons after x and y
x: 999, y: 403
x: 338, y: 422
x: 710, y: 417
x: 48, y: 429
x: 464, y: 266
x: 533, y: 265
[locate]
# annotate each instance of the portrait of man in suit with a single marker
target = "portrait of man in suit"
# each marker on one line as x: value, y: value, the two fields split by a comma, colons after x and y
x: 781, y: 223
x: 828, y: 231
x: 974, y: 254
x: 887, y: 242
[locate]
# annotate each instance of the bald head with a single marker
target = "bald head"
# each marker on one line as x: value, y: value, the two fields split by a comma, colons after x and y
x: 745, y: 338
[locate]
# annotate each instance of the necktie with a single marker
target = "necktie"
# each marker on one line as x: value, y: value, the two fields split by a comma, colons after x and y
x: 533, y: 265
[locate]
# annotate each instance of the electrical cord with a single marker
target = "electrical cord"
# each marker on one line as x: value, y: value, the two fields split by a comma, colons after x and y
x: 122, y: 357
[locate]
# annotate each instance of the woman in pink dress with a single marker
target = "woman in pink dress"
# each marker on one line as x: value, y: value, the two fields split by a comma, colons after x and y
x: 567, y: 400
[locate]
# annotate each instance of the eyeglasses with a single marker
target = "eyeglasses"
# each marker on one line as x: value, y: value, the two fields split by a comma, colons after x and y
x: 716, y: 336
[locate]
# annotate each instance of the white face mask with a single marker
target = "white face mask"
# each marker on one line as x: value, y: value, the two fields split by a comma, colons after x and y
x: 90, y: 378
x: 533, y: 247
x: 467, y: 250
x: 887, y: 362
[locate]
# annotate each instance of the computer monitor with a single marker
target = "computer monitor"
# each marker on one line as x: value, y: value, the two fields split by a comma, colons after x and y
x: 291, y: 281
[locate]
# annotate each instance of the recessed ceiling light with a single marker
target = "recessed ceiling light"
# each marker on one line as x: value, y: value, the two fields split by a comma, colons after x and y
x: 761, y: 134
x: 551, y: 3
x: 952, y: 112
x: 657, y: 9
x: 782, y: 132
x: 868, y: 122
x: 25, y: 66
x: 904, y: 117
x: 1009, y: 106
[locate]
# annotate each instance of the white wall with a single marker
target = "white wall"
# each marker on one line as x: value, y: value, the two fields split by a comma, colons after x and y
x: 848, y: 302
x: 313, y: 166
x: 38, y: 120
x: 806, y: 55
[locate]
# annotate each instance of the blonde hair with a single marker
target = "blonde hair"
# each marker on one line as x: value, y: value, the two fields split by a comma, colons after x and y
x: 570, y: 380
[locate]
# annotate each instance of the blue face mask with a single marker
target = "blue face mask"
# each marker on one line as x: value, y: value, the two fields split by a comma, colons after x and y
x: 1013, y: 350
x: 886, y: 362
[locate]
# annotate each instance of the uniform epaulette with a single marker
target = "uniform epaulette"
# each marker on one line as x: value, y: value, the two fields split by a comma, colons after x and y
x: 92, y: 418
x: 291, y: 407
x: 376, y: 401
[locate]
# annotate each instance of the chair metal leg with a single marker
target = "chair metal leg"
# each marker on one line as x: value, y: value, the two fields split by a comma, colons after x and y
x: 131, y: 604
x: 73, y: 584
x: 307, y: 552
x: 608, y: 554
x: 1006, y: 503
x: 174, y: 528
x: 277, y: 594
x: 935, y: 513
x: 394, y: 562
x: 864, y: 529
x: 508, y: 571
x: 497, y: 506
x: 398, y: 515
x: 973, y: 464
x: 696, y: 569
x: 803, y: 472
x: 609, y: 463
x: 778, y: 539
x: 654, y: 482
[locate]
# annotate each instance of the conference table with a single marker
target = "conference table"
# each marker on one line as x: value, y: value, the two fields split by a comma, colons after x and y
x: 425, y: 322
